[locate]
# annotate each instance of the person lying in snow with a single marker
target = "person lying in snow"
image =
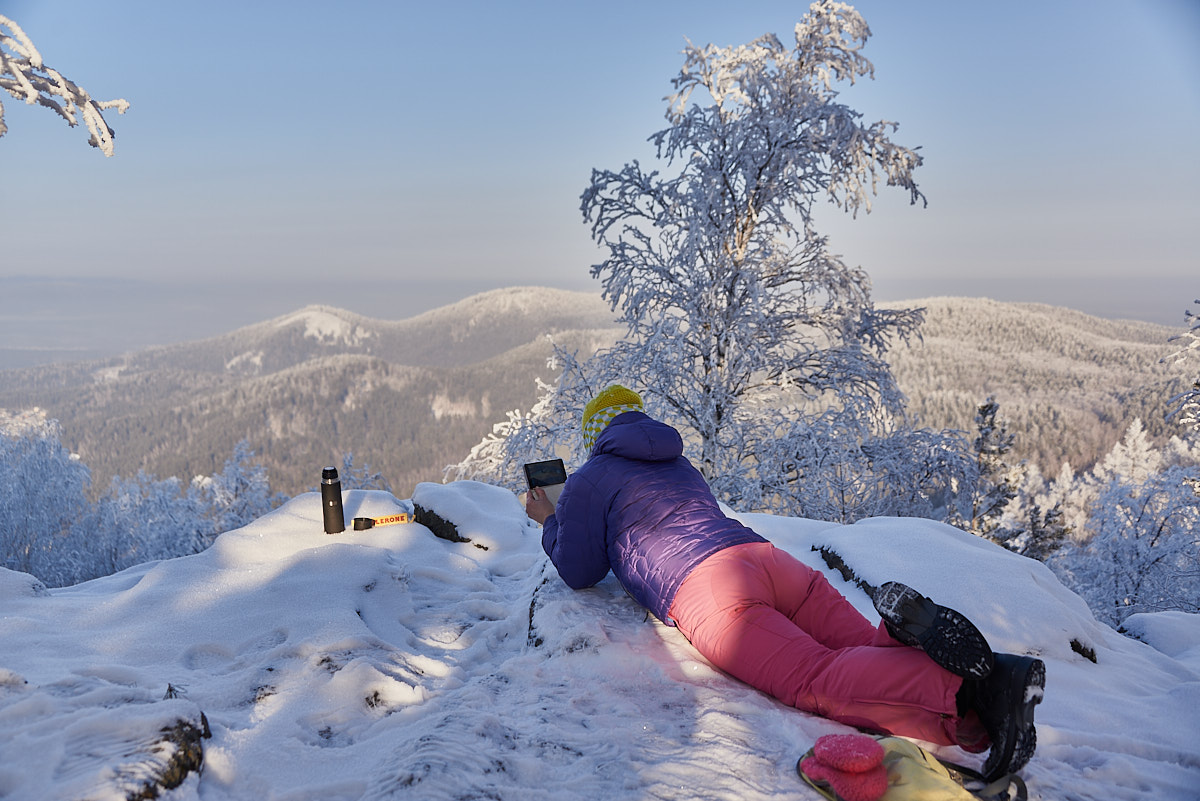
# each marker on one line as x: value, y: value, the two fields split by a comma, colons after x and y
x: 639, y: 508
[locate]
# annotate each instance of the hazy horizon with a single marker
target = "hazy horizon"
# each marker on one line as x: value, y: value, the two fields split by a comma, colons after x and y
x: 64, y: 320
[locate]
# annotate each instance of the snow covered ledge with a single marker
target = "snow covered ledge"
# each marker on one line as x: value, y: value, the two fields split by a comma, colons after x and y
x: 389, y: 662
x: 460, y: 512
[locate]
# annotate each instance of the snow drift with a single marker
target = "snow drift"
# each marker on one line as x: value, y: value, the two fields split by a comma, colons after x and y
x: 391, y: 663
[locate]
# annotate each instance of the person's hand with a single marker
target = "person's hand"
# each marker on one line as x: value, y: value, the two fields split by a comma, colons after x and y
x: 538, y: 506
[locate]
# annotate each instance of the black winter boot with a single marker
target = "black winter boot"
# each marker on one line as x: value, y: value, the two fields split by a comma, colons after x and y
x: 947, y: 636
x: 1004, y: 702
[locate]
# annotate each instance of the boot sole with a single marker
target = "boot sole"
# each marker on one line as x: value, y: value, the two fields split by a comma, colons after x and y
x: 1020, y: 739
x: 1026, y: 740
x: 947, y: 636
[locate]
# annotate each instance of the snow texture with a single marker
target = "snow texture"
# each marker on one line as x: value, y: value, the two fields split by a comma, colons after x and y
x: 389, y: 663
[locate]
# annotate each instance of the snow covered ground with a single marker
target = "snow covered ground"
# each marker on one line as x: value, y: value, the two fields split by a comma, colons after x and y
x: 390, y: 663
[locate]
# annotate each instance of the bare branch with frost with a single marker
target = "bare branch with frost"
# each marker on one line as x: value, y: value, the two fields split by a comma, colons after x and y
x: 26, y: 77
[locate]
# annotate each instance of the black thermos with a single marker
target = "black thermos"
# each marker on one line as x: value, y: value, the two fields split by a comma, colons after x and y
x: 331, y: 501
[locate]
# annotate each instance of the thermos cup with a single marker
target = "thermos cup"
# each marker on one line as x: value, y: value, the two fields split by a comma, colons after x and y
x: 331, y: 501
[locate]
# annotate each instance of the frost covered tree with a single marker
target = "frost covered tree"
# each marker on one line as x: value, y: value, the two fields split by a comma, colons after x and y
x: 361, y: 477
x: 834, y: 466
x: 1126, y: 535
x: 42, y: 492
x: 1143, y: 553
x: 743, y: 329
x: 240, y: 493
x: 549, y: 428
x: 1073, y: 494
x: 144, y: 518
x: 730, y: 296
x: 1133, y: 460
x: 1044, y: 532
x: 1009, y: 504
x: 26, y: 77
x: 1186, y: 405
x: 49, y: 528
x: 1035, y: 523
x: 137, y: 520
x: 1139, y: 549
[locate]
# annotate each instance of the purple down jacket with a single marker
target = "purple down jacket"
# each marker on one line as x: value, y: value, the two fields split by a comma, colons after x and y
x: 639, y: 508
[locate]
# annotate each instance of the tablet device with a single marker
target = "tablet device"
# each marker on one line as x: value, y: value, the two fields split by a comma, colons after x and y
x: 550, y: 474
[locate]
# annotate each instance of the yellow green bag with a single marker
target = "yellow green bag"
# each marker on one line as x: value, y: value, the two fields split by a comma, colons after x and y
x: 916, y: 775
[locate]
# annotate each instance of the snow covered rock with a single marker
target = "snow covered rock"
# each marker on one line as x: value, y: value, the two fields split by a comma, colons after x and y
x: 466, y: 511
x: 19, y: 585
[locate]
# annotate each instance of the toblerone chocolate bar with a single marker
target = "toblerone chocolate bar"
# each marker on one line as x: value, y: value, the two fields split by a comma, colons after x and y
x: 364, y: 523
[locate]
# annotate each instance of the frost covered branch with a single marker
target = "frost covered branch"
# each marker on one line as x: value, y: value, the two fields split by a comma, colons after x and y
x: 25, y: 76
x: 1186, y: 405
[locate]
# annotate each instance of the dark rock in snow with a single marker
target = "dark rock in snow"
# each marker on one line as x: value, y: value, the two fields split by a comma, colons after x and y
x: 188, y: 756
x: 439, y: 525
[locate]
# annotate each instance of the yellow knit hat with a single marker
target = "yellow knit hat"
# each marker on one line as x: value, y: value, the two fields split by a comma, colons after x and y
x: 604, y: 407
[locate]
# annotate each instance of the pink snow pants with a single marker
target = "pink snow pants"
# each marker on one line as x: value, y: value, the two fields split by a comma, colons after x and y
x: 771, y: 621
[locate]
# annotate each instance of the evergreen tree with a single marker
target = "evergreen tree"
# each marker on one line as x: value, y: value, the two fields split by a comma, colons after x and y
x: 1034, y: 523
x: 1043, y: 535
x: 1073, y: 495
x: 361, y: 477
x: 997, y: 482
x: 1141, y: 540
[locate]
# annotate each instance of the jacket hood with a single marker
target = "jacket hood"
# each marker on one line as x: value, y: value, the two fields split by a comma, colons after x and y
x: 634, y: 435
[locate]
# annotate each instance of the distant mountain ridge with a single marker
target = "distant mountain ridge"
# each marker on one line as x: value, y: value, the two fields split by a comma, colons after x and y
x: 467, y: 332
x: 411, y: 396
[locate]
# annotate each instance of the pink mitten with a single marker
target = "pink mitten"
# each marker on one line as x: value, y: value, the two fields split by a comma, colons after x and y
x: 853, y: 753
x: 868, y: 785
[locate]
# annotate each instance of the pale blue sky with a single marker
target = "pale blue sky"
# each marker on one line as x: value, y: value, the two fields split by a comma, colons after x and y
x: 383, y: 156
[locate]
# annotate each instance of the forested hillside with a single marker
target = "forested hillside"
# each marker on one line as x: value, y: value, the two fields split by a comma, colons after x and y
x: 1068, y: 384
x: 409, y: 397
x: 406, y: 397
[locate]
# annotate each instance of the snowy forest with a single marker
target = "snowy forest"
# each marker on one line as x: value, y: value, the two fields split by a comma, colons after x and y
x: 743, y: 330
